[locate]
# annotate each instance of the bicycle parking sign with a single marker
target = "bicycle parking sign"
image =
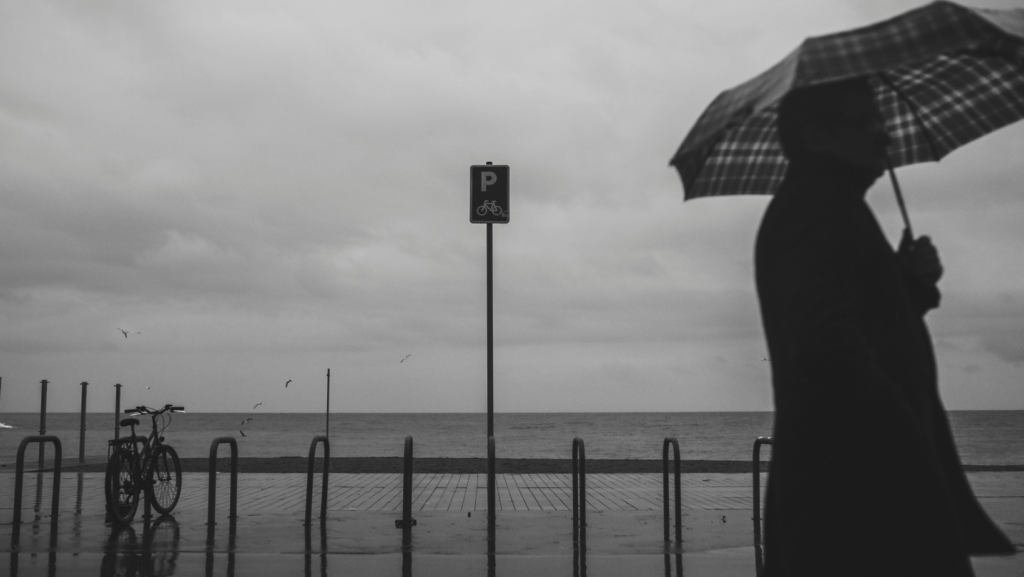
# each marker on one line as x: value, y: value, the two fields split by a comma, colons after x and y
x: 488, y: 193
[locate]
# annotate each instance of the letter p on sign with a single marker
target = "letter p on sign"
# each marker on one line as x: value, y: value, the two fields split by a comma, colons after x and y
x: 488, y: 193
x: 487, y: 177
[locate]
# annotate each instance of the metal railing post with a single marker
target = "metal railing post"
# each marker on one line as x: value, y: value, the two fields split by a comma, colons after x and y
x: 212, y: 499
x: 81, y: 432
x: 406, y: 521
x: 664, y: 487
x: 579, y: 487
x: 758, y: 555
x: 19, y: 480
x: 309, y: 479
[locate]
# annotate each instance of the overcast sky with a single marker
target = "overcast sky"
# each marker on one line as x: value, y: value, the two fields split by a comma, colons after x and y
x: 265, y: 190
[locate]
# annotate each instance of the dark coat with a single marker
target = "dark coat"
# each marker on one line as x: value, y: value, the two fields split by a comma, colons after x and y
x: 865, y: 478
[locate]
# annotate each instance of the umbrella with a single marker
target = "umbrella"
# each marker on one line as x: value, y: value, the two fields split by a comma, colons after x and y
x: 943, y: 75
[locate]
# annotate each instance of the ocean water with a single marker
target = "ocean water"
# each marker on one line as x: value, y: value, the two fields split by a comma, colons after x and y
x: 983, y: 437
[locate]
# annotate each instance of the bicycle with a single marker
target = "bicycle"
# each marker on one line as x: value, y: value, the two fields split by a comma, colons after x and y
x: 155, y: 468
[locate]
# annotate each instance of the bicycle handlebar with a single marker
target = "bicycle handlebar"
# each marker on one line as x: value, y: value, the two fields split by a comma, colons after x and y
x: 141, y: 410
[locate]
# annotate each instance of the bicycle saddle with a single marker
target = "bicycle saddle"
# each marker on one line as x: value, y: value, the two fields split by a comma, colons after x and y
x: 129, y: 422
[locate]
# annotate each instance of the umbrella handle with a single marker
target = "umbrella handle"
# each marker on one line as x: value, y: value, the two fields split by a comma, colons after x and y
x: 899, y: 197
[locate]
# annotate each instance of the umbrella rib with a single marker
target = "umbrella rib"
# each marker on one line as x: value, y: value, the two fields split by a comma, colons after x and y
x: 913, y: 110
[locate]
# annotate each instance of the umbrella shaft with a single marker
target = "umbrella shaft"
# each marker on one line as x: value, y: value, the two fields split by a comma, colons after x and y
x: 899, y: 197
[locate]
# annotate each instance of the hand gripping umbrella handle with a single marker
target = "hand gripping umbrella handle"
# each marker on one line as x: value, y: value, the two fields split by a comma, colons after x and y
x: 899, y: 197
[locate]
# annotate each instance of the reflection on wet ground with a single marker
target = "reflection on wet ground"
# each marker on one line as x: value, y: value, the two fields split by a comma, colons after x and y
x: 153, y: 548
x: 273, y: 541
x: 124, y: 553
x: 154, y: 555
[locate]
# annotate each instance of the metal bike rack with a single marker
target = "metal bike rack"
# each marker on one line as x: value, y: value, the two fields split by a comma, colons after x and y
x: 309, y: 479
x: 759, y: 560
x: 212, y: 503
x: 406, y: 522
x: 19, y: 480
x: 664, y: 487
x: 579, y: 487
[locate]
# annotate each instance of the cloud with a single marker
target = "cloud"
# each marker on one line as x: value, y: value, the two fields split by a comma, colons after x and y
x: 260, y: 187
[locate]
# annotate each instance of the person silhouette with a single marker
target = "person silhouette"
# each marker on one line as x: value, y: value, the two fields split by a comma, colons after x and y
x: 865, y: 478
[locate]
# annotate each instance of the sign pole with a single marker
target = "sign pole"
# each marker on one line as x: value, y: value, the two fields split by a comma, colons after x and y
x: 490, y: 335
x: 327, y: 426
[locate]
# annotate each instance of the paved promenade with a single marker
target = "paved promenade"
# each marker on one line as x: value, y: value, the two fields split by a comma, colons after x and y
x: 532, y: 535
x: 286, y: 492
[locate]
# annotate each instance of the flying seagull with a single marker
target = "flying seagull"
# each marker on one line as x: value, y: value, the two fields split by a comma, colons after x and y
x: 403, y: 360
x: 245, y: 421
x: 243, y: 433
x: 126, y: 333
x: 257, y: 404
x: 286, y: 383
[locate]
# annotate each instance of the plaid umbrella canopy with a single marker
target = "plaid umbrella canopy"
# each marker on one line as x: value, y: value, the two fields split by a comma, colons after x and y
x: 943, y: 75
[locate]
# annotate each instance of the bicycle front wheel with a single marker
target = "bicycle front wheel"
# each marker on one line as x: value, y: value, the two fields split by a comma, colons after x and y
x: 121, y: 490
x: 163, y: 481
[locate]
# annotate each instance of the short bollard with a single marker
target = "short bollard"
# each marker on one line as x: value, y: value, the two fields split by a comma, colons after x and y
x: 579, y: 487
x: 42, y: 420
x: 81, y: 432
x: 406, y: 522
x: 117, y: 414
x: 664, y: 487
x: 758, y: 555
x: 19, y: 480
x: 309, y: 479
x: 212, y: 501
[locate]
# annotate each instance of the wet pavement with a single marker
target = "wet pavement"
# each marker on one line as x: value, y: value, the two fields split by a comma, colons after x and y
x: 364, y: 543
x: 272, y: 541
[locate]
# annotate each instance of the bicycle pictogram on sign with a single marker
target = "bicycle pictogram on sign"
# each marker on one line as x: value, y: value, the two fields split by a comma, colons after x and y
x: 490, y: 206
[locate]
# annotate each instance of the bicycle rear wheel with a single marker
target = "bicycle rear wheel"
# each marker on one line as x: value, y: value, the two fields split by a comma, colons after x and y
x: 163, y: 480
x: 121, y: 490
